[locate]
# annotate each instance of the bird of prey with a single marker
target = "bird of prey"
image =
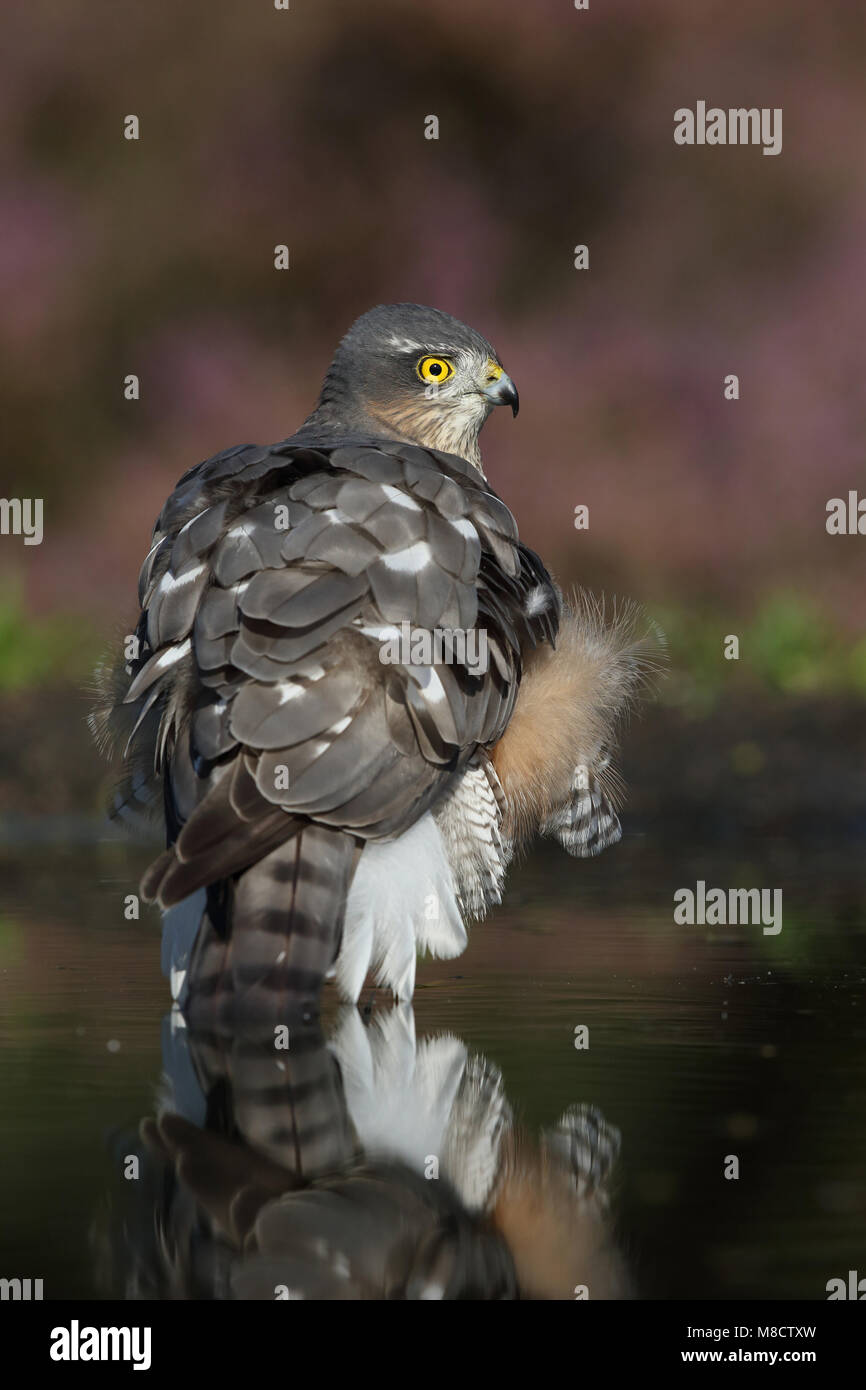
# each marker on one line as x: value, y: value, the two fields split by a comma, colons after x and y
x: 355, y: 689
x: 367, y: 1165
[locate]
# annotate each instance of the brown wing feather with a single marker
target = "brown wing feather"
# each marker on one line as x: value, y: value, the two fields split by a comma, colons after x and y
x: 271, y: 584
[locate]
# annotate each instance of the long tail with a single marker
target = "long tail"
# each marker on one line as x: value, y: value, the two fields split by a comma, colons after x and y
x: 262, y: 945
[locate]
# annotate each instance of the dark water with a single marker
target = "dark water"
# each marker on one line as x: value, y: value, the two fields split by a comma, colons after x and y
x: 703, y: 1043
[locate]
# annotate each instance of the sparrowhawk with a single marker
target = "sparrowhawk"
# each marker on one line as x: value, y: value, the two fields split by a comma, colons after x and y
x: 355, y: 689
x: 368, y: 1164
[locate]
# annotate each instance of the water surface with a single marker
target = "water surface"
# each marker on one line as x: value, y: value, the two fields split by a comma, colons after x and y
x: 703, y: 1043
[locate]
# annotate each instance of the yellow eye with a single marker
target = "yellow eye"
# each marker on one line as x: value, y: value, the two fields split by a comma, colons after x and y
x: 435, y: 369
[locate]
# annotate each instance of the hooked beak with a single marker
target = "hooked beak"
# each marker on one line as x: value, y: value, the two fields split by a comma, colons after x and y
x: 500, y: 389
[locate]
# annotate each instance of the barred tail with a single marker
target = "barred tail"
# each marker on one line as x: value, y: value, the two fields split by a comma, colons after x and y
x: 263, y: 946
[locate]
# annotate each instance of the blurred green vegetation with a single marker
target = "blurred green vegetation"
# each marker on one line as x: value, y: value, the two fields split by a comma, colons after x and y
x: 788, y: 646
x: 44, y: 651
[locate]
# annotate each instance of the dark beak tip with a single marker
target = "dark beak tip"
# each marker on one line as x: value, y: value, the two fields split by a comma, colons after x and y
x: 515, y: 405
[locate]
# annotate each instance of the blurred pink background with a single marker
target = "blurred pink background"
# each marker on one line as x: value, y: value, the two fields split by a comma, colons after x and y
x: 306, y: 127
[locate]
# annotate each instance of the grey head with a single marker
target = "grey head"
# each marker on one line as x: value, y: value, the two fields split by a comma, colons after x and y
x: 407, y: 372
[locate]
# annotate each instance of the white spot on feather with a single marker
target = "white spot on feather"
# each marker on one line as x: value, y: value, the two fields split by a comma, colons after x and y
x: 411, y: 560
x: 170, y: 582
x: 427, y: 679
x: 380, y: 634
x: 395, y: 495
x: 289, y: 691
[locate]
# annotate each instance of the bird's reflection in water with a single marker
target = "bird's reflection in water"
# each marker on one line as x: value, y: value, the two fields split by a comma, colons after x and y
x: 367, y: 1166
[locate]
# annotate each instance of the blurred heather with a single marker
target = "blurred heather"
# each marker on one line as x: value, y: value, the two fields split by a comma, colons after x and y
x: 260, y: 127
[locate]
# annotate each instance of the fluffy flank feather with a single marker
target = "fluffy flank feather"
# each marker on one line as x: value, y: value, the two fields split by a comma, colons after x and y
x: 555, y: 1221
x: 129, y: 732
x: 571, y: 704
